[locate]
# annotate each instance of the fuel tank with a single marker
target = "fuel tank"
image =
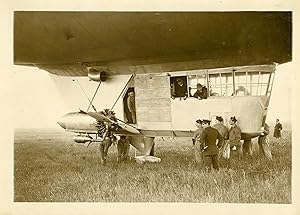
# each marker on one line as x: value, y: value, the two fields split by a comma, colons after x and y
x: 82, y: 139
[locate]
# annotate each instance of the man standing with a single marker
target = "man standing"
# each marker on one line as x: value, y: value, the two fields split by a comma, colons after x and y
x: 277, y: 130
x: 263, y: 142
x: 196, y: 141
x: 223, y: 130
x: 123, y: 148
x: 209, y: 146
x: 131, y: 107
x: 235, y: 136
x: 105, y: 144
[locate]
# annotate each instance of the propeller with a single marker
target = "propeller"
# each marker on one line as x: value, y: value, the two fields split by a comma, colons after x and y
x: 102, y: 118
x: 127, y: 127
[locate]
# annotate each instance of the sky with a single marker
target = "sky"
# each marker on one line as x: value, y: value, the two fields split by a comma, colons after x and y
x: 40, y: 98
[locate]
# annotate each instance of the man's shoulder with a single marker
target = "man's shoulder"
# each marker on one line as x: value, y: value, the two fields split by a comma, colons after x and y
x: 237, y: 128
x: 199, y: 130
x: 210, y: 129
x: 220, y: 126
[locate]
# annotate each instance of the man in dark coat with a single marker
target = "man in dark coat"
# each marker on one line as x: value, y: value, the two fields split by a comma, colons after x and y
x: 108, y: 138
x: 201, y: 92
x: 209, y: 145
x: 223, y: 130
x: 277, y: 129
x: 196, y: 141
x: 180, y: 89
x: 131, y: 107
x: 235, y: 136
x: 123, y: 148
x: 263, y: 142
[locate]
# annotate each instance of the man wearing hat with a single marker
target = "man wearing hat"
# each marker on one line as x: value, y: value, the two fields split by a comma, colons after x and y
x: 277, y: 130
x: 235, y: 135
x: 131, y: 107
x: 223, y: 130
x: 201, y: 92
x: 196, y: 139
x: 209, y: 146
x: 180, y: 89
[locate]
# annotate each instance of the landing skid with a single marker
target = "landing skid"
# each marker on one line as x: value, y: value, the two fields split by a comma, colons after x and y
x: 144, y: 145
x: 147, y: 158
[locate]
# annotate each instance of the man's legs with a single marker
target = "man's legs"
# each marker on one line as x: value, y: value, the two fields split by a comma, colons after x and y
x: 264, y: 147
x: 133, y: 117
x: 123, y: 148
x: 101, y: 149
x: 120, y: 147
x: 215, y: 161
x: 104, y: 149
x: 239, y: 149
x: 247, y: 147
x: 129, y: 117
x: 126, y: 149
x: 107, y: 144
x: 208, y: 162
x: 197, y: 152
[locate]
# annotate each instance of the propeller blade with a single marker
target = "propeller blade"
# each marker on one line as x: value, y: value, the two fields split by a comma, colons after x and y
x: 100, y: 117
x: 82, y: 111
x: 127, y: 127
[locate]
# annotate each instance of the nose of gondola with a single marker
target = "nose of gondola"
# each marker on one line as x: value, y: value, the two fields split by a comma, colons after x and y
x: 62, y: 123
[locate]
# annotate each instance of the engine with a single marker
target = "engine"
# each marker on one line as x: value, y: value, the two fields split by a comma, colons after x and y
x: 96, y: 75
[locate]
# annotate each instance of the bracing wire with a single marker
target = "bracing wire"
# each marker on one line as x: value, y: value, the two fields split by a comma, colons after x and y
x: 121, y: 93
x: 86, y: 94
x: 91, y: 102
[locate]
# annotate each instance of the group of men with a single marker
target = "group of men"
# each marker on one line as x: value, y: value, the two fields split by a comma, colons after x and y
x: 210, y: 140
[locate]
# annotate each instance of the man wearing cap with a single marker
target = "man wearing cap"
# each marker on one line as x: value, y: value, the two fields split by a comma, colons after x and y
x: 180, y: 89
x: 277, y: 130
x: 196, y: 139
x: 201, y: 92
x: 263, y: 142
x: 209, y: 146
x: 235, y: 135
x: 123, y: 148
x: 131, y: 107
x: 222, y: 129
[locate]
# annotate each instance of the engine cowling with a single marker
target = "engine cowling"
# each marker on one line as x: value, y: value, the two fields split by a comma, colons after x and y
x: 96, y: 75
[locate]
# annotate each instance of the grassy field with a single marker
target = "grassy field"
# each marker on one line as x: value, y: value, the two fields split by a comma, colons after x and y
x: 50, y: 167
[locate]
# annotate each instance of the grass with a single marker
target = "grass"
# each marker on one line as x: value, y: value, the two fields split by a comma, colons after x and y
x: 49, y: 167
